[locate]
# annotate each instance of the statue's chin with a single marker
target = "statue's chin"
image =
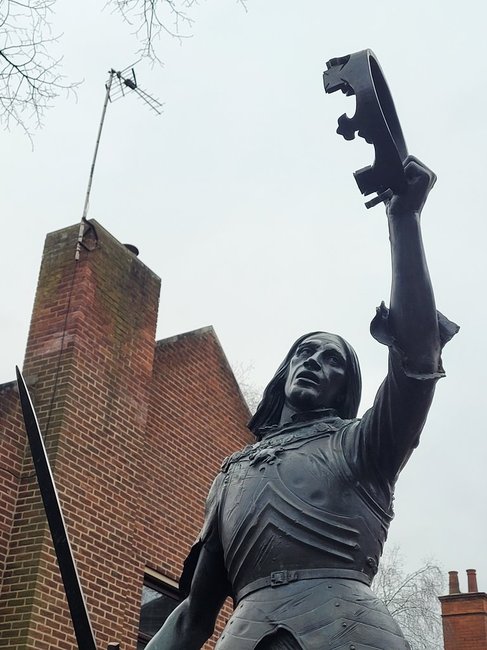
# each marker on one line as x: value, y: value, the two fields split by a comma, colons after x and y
x: 305, y: 398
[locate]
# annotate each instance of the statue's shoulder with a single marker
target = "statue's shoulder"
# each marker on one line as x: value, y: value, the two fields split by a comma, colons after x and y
x: 288, y: 438
x: 237, y: 456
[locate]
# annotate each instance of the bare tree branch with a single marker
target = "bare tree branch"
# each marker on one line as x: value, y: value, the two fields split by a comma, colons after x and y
x: 252, y: 394
x: 412, y: 599
x: 30, y: 77
x: 152, y: 19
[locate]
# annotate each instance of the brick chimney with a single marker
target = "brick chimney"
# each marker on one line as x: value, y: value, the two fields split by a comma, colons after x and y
x: 464, y: 615
x: 88, y: 365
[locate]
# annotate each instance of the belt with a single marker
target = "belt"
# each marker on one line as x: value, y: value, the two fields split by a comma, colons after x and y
x: 279, y: 578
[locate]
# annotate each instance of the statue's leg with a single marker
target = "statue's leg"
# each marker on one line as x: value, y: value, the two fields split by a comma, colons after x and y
x: 280, y: 640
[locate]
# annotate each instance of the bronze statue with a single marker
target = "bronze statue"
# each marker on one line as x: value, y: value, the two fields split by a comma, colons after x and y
x: 295, y: 524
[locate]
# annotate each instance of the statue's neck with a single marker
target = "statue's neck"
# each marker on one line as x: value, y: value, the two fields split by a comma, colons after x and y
x: 290, y: 415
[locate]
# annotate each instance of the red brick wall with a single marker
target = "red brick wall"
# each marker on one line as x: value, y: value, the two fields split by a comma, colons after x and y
x: 464, y: 617
x: 196, y: 419
x: 12, y: 444
x: 124, y: 430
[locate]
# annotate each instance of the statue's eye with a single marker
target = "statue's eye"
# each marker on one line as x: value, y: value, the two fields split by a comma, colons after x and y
x: 335, y: 360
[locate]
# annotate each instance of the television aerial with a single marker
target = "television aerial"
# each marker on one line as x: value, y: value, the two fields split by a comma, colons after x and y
x: 118, y: 85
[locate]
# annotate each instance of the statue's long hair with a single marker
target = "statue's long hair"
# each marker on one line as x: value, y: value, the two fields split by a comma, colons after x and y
x: 269, y: 411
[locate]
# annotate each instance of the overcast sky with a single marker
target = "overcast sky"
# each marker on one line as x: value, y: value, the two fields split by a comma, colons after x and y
x: 241, y: 198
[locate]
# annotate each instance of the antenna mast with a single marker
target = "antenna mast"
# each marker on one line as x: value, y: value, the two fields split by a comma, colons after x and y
x: 108, y: 86
x: 126, y: 79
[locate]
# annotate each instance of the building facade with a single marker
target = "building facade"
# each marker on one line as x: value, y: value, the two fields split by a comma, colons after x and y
x: 135, y: 432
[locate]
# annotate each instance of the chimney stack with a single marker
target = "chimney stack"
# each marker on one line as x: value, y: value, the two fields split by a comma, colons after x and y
x: 464, y: 615
x: 454, y: 586
x: 89, y: 365
x: 472, y: 581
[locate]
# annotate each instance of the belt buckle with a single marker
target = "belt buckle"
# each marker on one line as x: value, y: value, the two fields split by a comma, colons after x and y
x: 284, y: 577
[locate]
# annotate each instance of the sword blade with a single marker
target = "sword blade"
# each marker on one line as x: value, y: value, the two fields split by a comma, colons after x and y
x: 69, y: 574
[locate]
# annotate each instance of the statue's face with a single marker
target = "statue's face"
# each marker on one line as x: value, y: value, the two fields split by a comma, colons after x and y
x: 317, y: 374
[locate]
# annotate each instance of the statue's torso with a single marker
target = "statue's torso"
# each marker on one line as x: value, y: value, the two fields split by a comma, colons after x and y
x: 295, y: 501
x: 292, y: 501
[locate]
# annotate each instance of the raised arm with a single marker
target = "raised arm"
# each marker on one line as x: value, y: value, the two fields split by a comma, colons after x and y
x: 412, y: 319
x: 414, y: 332
x: 193, y: 621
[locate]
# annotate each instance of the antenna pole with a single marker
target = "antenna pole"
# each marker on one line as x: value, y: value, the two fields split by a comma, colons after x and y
x: 92, y: 170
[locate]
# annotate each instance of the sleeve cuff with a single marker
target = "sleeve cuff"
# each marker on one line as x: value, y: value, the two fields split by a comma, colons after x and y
x: 381, y: 331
